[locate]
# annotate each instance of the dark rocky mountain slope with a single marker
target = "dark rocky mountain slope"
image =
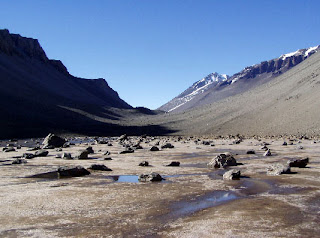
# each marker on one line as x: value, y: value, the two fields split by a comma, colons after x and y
x: 246, y: 79
x: 38, y: 95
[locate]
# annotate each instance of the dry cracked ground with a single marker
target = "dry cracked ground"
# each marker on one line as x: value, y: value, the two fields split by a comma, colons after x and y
x: 192, y: 201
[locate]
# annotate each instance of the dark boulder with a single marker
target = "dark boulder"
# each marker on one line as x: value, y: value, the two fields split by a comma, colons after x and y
x: 300, y: 163
x: 174, y: 163
x: 144, y: 163
x: 251, y: 152
x: 8, y: 149
x: 100, y: 167
x: 127, y: 151
x: 167, y: 146
x: 28, y: 156
x: 154, y: 148
x: 53, y: 141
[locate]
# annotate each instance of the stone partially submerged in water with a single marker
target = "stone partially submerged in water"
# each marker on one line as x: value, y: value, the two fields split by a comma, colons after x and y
x: 222, y: 160
x: 152, y: 177
x: 277, y: 169
x: 232, y: 174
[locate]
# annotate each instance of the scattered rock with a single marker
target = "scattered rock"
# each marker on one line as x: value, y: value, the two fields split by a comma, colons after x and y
x: 264, y: 148
x: 152, y: 177
x: 28, y: 156
x: 63, y: 172
x: 107, y: 158
x: 123, y: 137
x: 174, y: 163
x: 232, y: 174
x: 41, y: 153
x: 154, y: 148
x: 82, y: 155
x: 72, y: 171
x: 107, y: 153
x: 300, y: 163
x: 53, y: 141
x: 284, y: 143
x: 66, y: 156
x: 8, y: 149
x: 222, y: 160
x: 90, y: 150
x: 300, y: 147
x: 267, y: 153
x: 278, y: 169
x: 251, y: 152
x: 100, y: 167
x: 167, y: 146
x: 34, y: 148
x: 127, y: 151
x: 19, y: 161
x: 144, y: 163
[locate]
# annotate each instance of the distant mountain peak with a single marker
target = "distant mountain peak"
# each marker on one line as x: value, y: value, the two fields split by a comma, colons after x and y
x: 215, y: 87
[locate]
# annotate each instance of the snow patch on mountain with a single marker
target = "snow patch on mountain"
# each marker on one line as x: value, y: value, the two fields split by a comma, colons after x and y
x: 199, y: 87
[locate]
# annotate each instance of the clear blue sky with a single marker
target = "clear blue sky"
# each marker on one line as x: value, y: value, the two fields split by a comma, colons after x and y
x: 150, y: 51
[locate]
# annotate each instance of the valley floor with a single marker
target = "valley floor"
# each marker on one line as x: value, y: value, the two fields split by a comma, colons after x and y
x: 192, y: 201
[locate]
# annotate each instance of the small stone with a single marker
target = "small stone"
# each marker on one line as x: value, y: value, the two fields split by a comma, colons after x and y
x: 167, y: 146
x: 41, y: 153
x: 82, y: 155
x: 106, y: 153
x: 19, y: 161
x: 174, y: 163
x: 90, y: 150
x: 144, y: 163
x: 66, y: 155
x: 267, y: 153
x: 154, y: 148
x: 127, y: 151
x: 251, y: 152
x: 28, y: 156
x: 232, y: 174
x: 53, y: 141
x: 284, y: 143
x: 123, y: 137
x: 107, y: 158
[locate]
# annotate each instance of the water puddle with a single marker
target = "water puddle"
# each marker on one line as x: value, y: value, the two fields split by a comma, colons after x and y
x: 190, y: 206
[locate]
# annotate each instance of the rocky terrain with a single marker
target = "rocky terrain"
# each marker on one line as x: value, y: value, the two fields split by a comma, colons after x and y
x: 203, y: 187
x: 215, y: 87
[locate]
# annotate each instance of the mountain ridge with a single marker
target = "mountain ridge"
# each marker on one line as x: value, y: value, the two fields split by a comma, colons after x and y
x: 240, y: 82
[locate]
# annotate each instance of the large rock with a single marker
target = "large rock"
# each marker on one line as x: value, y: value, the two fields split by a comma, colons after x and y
x: 53, y: 141
x: 63, y: 172
x: 267, y: 153
x: 152, y: 177
x: 222, y: 160
x: 127, y: 151
x: 232, y: 174
x: 301, y: 163
x: 277, y: 169
x: 100, y: 167
x: 72, y: 172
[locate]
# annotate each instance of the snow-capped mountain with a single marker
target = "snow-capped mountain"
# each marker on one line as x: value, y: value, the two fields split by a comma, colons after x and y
x: 198, y: 87
x: 215, y: 87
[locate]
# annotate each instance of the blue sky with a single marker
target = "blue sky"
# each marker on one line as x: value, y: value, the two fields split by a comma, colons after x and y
x: 150, y: 51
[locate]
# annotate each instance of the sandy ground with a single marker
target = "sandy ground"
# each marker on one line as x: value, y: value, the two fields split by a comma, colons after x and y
x: 193, y: 201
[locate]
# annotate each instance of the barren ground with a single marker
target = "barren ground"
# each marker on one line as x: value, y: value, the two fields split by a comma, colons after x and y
x: 193, y: 201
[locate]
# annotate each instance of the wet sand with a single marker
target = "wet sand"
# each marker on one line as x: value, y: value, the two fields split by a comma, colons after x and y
x: 192, y: 201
